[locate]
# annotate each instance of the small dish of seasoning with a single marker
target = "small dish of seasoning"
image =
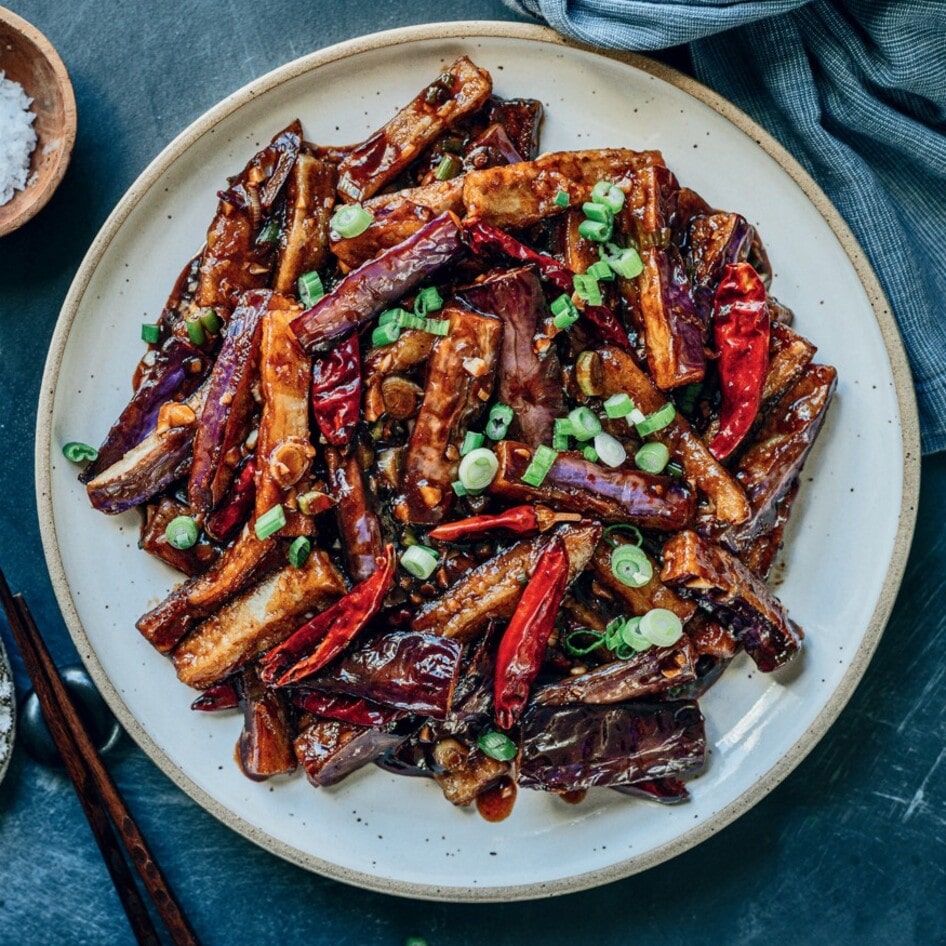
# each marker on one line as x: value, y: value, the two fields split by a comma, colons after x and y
x: 37, y: 121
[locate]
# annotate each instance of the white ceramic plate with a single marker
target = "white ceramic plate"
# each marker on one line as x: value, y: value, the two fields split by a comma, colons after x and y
x: 846, y: 546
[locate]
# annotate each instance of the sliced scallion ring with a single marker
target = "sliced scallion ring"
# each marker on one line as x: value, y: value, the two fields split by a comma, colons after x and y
x: 150, y: 333
x: 562, y: 199
x: 351, y: 220
x: 631, y: 566
x: 610, y: 449
x: 623, y: 528
x: 478, y: 469
x: 448, y: 168
x: 585, y: 423
x: 471, y: 441
x: 657, y: 420
x: 210, y: 321
x: 195, y: 331
x: 497, y: 745
x: 310, y: 288
x: 609, y: 195
x: 385, y: 334
x: 270, y: 522
x: 661, y: 627
x: 652, y: 457
x: 500, y: 417
x: 618, y: 405
x: 181, y: 532
x: 588, y: 373
x: 419, y: 561
x: 428, y: 300
x: 572, y: 641
x: 77, y: 452
x: 596, y: 231
x: 632, y: 637
x: 627, y: 263
x: 299, y: 551
x: 542, y: 461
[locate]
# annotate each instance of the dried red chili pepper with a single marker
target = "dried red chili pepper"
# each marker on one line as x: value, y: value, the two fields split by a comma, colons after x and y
x: 336, y: 391
x: 526, y: 637
x: 220, y: 696
x: 606, y: 324
x: 523, y: 520
x: 331, y: 631
x: 344, y: 708
x: 236, y: 507
x: 741, y: 330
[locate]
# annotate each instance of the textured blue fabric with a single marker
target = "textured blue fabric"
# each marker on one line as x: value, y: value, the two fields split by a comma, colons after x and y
x: 856, y: 90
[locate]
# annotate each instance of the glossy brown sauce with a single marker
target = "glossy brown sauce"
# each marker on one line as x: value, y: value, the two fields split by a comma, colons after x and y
x: 496, y: 803
x: 574, y: 798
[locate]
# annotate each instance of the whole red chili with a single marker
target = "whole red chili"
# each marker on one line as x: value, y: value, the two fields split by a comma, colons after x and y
x: 336, y: 391
x: 527, y: 635
x: 220, y: 696
x: 523, y: 520
x: 741, y: 326
x: 237, y: 506
x: 344, y: 708
x: 331, y: 631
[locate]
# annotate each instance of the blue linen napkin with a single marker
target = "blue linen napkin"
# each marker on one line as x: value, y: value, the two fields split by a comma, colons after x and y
x: 856, y: 90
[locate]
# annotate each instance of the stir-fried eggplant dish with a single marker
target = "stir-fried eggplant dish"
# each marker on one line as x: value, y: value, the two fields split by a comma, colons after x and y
x: 475, y: 459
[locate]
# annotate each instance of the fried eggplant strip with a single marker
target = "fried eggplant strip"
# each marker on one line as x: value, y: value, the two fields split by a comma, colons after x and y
x: 193, y: 561
x: 713, y: 241
x: 265, y: 745
x: 575, y: 484
x: 789, y: 355
x: 256, y: 620
x: 329, y: 750
x: 459, y: 91
x: 740, y: 600
x: 358, y: 523
x: 620, y: 375
x: 452, y: 398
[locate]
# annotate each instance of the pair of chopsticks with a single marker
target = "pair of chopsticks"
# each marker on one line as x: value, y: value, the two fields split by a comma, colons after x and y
x: 115, y: 830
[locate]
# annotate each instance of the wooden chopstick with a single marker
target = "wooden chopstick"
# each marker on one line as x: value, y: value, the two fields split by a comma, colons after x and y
x: 97, y: 793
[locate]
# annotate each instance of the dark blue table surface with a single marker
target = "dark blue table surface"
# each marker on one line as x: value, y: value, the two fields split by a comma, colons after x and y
x: 851, y: 848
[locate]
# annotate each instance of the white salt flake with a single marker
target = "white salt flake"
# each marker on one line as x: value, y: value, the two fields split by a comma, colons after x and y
x: 17, y: 138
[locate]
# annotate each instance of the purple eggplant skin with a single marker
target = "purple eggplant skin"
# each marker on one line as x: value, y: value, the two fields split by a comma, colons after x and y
x: 378, y: 283
x: 265, y: 746
x: 714, y: 240
x: 329, y: 750
x: 521, y: 119
x: 224, y: 421
x: 178, y: 370
x: 667, y: 791
x: 490, y: 149
x: 530, y: 385
x: 150, y: 466
x: 570, y: 748
x: 405, y: 670
x: 358, y: 522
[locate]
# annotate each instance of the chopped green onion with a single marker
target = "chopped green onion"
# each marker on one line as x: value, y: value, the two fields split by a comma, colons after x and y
x: 351, y: 220
x: 459, y: 489
x: 618, y: 405
x: 590, y: 454
x: 652, y: 457
x: 448, y: 168
x: 181, y: 532
x: 542, y: 461
x: 561, y: 433
x: 608, y: 195
x: 299, y: 551
x: 627, y: 264
x: 392, y: 315
x: 595, y: 230
x: 610, y: 449
x: 674, y: 469
x: 580, y: 650
x: 410, y: 320
x: 635, y: 418
x: 564, y: 311
x: 270, y: 522
x: 597, y: 212
x: 500, y: 417
x: 310, y: 288
x: 439, y: 327
x: 612, y: 633
x: 585, y: 423
x: 306, y: 502
x: 478, y: 469
x: 420, y: 561
x: 619, y: 529
x: 588, y: 373
x: 566, y: 320
x: 150, y: 333
x: 661, y: 627
x: 600, y: 270
x: 472, y: 441
x: 587, y: 288
x: 386, y: 334
x: 631, y: 566
x: 631, y: 635
x: 428, y: 300
x: 195, y: 331
x: 497, y: 745
x: 562, y: 199
x: 269, y: 233
x: 658, y: 420
x: 210, y: 321
x: 77, y: 452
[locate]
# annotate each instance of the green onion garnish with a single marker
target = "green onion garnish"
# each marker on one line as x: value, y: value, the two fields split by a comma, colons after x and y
x: 631, y: 566
x: 497, y: 745
x: 210, y: 321
x: 306, y: 502
x: 570, y: 641
x: 150, y: 333
x: 410, y: 320
x: 590, y: 454
x: 439, y: 327
x: 560, y: 433
x: 270, y: 522
x: 674, y: 469
x: 600, y: 270
x: 627, y: 263
x: 631, y: 635
x: 562, y: 199
x: 181, y: 532
x: 585, y: 423
x: 661, y: 627
x: 596, y: 231
x: 391, y: 315
x: 420, y: 561
x: 428, y: 300
x: 542, y: 461
x: 597, y: 212
x: 608, y: 195
x: 385, y: 334
x: 77, y: 452
x: 610, y: 449
x: 658, y: 420
x: 652, y: 457
x: 618, y: 405
x: 351, y: 220
x: 588, y: 373
x: 448, y: 168
x: 478, y: 469
x: 587, y: 288
x: 471, y: 441
x: 195, y: 331
x: 310, y: 288
x: 299, y: 551
x: 459, y: 489
x: 270, y: 232
x: 620, y: 529
x: 564, y: 311
x: 500, y: 417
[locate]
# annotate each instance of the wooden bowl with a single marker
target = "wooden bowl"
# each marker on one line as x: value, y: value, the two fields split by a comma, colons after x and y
x: 27, y: 57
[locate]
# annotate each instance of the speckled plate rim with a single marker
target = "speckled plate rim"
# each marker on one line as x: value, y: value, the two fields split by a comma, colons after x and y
x: 8, y: 705
x: 899, y: 367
